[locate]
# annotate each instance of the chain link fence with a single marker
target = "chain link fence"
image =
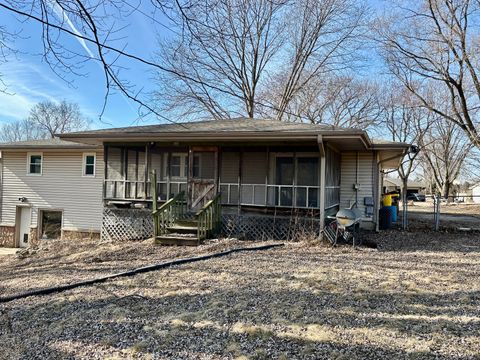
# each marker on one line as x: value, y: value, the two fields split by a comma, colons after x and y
x: 436, y: 212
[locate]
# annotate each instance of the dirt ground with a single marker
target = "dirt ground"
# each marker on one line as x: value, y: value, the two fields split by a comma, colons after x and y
x: 416, y: 296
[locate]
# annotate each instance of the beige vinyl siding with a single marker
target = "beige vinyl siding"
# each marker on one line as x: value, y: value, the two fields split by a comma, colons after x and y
x: 362, y: 173
x: 61, y: 187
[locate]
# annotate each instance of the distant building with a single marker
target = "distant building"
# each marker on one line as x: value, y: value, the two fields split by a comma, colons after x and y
x: 475, y: 193
x: 413, y: 187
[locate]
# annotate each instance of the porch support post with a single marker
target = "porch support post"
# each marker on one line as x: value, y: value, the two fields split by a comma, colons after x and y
x: 321, y: 148
x: 147, y: 160
x: 190, y: 186
x: 378, y: 194
x: 125, y: 171
x: 136, y: 173
x: 217, y: 170
x: 240, y: 162
x: 266, y: 175
x: 169, y: 159
x: 105, y: 170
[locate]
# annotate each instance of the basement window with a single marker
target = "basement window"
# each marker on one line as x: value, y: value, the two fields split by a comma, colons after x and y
x: 51, y: 224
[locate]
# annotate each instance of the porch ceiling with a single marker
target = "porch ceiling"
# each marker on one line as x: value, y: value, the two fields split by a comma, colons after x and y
x: 347, y: 143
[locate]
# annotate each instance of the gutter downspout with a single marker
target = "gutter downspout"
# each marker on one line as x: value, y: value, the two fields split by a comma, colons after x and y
x: 321, y: 148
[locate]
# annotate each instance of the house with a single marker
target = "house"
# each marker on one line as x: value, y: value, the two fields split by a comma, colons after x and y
x: 268, y: 176
x: 474, y: 191
x: 395, y: 185
x: 50, y: 188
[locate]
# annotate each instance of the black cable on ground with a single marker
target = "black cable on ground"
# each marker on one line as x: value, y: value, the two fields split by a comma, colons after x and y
x: 133, y: 272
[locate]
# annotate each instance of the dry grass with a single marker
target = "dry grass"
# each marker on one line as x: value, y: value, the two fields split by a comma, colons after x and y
x: 408, y: 299
x: 61, y: 262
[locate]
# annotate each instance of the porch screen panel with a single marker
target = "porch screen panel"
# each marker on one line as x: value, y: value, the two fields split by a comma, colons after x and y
x: 156, y: 163
x: 134, y: 170
x: 307, y: 182
x: 141, y: 175
x: 229, y: 170
x: 254, y: 172
x: 284, y: 175
x: 114, y: 163
x: 332, y: 178
x: 114, y: 183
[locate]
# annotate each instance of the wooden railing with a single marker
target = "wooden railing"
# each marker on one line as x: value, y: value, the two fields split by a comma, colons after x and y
x: 166, y: 215
x: 209, y: 218
x: 135, y: 190
x: 298, y: 196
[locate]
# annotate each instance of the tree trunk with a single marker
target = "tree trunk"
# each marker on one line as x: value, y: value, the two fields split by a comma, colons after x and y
x: 446, y: 190
x: 404, y: 203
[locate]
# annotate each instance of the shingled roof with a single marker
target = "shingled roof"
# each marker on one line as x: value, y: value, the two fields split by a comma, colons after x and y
x: 224, y: 125
x: 44, y: 144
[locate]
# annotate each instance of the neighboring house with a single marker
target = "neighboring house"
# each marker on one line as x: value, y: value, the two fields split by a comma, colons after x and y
x: 475, y: 193
x: 395, y: 185
x: 269, y: 174
x: 50, y: 188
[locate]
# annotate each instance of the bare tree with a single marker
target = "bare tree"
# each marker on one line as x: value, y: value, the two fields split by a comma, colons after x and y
x: 52, y: 118
x: 218, y: 61
x: 406, y: 121
x: 225, y: 51
x: 246, y: 57
x: 434, y: 44
x: 445, y: 150
x: 341, y: 101
x: 322, y: 38
x: 19, y: 131
x: 45, y: 120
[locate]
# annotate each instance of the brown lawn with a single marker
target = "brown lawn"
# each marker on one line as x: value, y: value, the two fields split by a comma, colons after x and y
x: 416, y: 296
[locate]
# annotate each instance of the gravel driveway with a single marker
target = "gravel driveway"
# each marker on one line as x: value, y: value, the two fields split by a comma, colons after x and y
x: 416, y: 296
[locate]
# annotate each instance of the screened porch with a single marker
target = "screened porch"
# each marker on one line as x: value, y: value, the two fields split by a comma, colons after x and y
x: 260, y: 176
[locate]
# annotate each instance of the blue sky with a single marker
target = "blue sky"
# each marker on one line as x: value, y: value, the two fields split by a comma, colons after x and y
x: 30, y: 80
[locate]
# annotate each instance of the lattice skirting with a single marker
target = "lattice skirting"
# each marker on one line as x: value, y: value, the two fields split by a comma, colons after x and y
x: 137, y: 224
x: 263, y: 227
x: 126, y: 224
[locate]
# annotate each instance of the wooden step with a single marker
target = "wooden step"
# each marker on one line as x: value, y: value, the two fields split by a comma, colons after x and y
x: 183, y: 229
x: 186, y: 222
x: 177, y: 239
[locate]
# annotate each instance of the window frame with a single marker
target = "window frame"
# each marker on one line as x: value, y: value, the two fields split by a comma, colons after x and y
x: 29, y: 159
x: 183, y: 166
x: 84, y: 164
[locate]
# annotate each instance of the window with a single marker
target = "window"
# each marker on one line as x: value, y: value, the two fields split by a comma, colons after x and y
x: 179, y: 165
x: 51, y: 224
x: 34, y: 166
x: 89, y: 164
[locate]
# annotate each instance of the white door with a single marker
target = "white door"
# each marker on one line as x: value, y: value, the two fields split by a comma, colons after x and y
x: 23, y: 225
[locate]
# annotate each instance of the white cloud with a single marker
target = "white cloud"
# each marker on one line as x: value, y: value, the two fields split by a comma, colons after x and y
x: 14, y: 106
x: 61, y: 13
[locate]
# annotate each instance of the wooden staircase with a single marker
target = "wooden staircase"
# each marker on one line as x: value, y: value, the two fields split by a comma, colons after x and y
x: 174, y: 225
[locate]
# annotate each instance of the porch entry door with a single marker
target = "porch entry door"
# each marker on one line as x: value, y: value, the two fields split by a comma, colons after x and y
x: 23, y: 219
x: 202, y: 175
